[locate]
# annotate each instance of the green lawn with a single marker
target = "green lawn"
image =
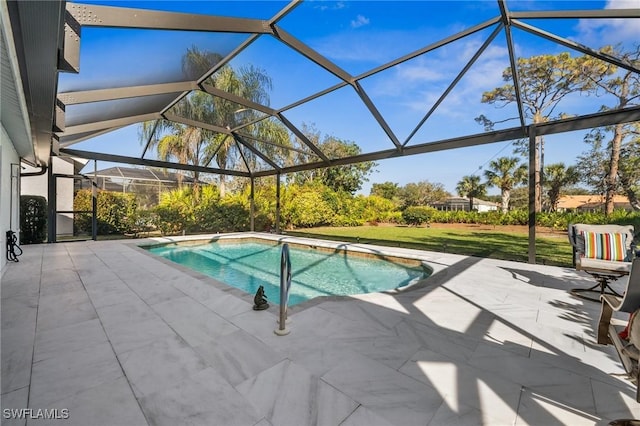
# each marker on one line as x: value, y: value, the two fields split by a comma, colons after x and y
x: 495, y: 244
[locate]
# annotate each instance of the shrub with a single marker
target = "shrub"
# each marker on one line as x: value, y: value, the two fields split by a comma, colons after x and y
x: 377, y: 209
x: 116, y: 211
x: 233, y: 213
x: 33, y: 219
x: 185, y: 210
x: 307, y: 208
x: 417, y: 215
x: 168, y: 220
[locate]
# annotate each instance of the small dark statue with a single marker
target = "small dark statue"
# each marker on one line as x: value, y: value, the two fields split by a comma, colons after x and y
x: 260, y: 300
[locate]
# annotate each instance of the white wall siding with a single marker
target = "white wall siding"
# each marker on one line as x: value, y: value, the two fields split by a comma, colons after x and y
x: 9, y: 198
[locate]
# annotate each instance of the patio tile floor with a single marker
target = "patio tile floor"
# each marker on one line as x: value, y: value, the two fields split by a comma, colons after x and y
x: 119, y: 337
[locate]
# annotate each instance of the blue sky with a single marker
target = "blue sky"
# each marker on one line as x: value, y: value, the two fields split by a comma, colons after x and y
x: 358, y: 36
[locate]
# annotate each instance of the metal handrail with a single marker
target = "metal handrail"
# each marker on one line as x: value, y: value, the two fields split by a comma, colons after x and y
x: 285, y: 284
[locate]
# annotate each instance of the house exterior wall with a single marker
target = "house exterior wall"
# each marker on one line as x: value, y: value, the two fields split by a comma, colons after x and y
x: 485, y: 208
x: 38, y: 185
x: 462, y: 204
x: 9, y: 200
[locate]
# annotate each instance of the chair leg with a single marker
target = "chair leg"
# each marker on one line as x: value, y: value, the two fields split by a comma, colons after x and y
x: 603, y: 324
x: 602, y: 287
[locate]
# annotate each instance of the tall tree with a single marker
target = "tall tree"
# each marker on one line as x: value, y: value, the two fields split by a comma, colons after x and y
x: 471, y: 187
x: 592, y: 164
x: 388, y: 190
x: 348, y: 178
x: 198, y: 146
x: 557, y: 178
x: 629, y: 171
x: 624, y: 87
x: 422, y: 193
x: 344, y: 178
x: 179, y: 142
x: 505, y: 173
x: 545, y: 80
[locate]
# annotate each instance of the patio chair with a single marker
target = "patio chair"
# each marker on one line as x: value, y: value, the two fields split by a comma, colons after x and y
x: 602, y: 251
x: 608, y: 334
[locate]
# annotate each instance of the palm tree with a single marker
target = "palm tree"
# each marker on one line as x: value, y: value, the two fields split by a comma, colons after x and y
x: 179, y: 142
x: 250, y: 83
x: 471, y: 188
x: 197, y: 146
x: 505, y: 173
x: 557, y: 176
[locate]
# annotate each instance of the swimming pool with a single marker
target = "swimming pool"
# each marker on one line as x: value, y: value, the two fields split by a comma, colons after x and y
x: 249, y: 264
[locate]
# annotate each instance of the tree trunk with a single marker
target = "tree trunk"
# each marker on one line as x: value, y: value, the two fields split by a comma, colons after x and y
x: 554, y: 197
x: 222, y: 186
x: 612, y: 176
x: 506, y: 195
x: 470, y: 204
x: 196, y: 186
x: 631, y: 194
x: 618, y: 134
x: 537, y: 118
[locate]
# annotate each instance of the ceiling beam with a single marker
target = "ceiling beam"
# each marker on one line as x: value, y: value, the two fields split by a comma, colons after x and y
x: 573, y: 45
x: 461, y: 142
x: 194, y: 123
x: 607, y: 118
x: 577, y: 14
x: 376, y: 114
x: 453, y: 84
x: 100, y: 125
x: 151, y: 138
x: 213, y: 69
x: 430, y: 47
x: 279, y: 145
x: 90, y: 15
x: 214, y: 91
x: 256, y: 151
x: 99, y: 95
x: 506, y: 19
x: 89, y: 155
x: 600, y: 119
x: 310, y: 54
x: 304, y: 139
x: 70, y: 140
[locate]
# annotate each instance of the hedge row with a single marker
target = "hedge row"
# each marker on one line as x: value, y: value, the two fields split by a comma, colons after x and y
x: 302, y: 206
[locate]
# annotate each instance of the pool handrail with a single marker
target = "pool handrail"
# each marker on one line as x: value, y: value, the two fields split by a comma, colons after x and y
x: 285, y: 285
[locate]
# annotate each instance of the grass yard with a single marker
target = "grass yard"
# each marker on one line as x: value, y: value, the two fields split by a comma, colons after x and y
x: 508, y: 243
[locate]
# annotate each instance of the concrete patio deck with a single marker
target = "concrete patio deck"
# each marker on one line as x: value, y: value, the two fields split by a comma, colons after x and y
x: 118, y: 337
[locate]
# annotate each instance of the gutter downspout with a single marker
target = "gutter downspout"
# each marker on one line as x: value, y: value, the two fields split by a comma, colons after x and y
x: 43, y: 170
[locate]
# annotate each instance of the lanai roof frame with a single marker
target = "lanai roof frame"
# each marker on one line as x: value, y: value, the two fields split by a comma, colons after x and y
x: 66, y: 19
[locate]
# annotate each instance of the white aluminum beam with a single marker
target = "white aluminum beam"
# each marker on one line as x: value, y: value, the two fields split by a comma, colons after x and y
x: 89, y: 15
x: 99, y: 95
x: 147, y: 162
x: 100, y: 125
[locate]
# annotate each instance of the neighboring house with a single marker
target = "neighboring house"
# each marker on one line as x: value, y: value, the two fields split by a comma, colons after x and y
x: 146, y: 183
x: 461, y: 203
x: 590, y: 203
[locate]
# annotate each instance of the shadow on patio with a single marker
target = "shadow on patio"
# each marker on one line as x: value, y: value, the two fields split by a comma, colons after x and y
x: 120, y: 337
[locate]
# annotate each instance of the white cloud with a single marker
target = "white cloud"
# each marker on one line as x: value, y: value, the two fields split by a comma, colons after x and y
x: 599, y: 32
x: 359, y: 21
x: 421, y: 71
x: 329, y: 6
x: 422, y: 80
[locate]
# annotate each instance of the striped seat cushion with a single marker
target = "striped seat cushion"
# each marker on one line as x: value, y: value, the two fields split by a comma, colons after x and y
x: 608, y: 246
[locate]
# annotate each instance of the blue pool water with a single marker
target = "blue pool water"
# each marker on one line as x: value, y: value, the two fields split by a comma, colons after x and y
x: 248, y: 265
